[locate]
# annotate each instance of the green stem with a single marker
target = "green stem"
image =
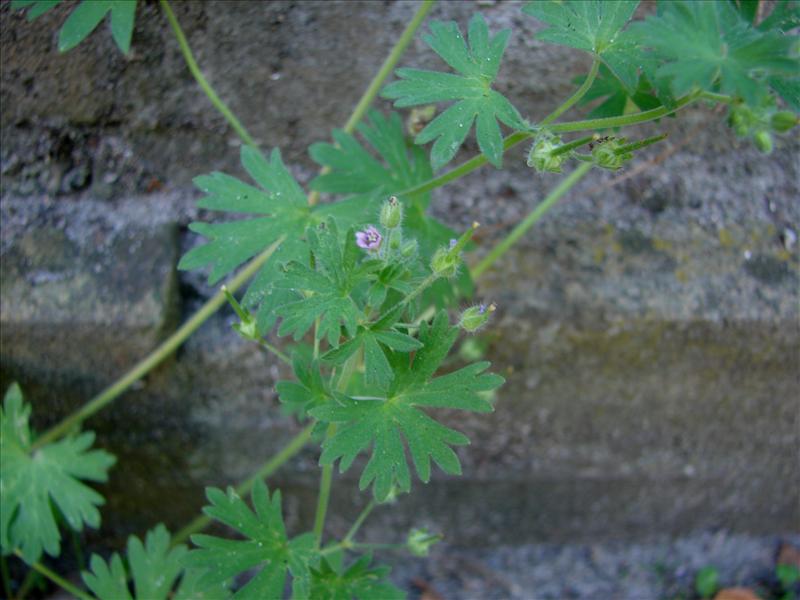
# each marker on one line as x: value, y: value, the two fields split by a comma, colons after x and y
x: 274, y: 350
x: 324, y: 492
x: 158, y: 355
x: 529, y: 221
x: 721, y: 98
x: 359, y: 522
x: 386, y: 68
x: 273, y: 464
x: 520, y: 136
x: 58, y: 580
x: 201, y: 80
x: 579, y: 93
x: 622, y: 120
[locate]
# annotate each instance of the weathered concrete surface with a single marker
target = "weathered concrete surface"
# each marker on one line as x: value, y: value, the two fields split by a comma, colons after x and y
x: 648, y: 330
x: 85, y: 292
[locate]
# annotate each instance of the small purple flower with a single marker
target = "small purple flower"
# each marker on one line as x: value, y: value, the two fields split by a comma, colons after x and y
x: 453, y: 243
x: 481, y: 309
x: 369, y: 239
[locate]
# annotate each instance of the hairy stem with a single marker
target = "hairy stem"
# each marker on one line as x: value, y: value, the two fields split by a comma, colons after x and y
x: 158, y: 355
x: 201, y: 80
x: 530, y: 220
x: 520, y: 136
x: 268, y: 468
x: 359, y: 522
x: 579, y: 93
x: 58, y: 580
x: 324, y: 492
x: 386, y: 68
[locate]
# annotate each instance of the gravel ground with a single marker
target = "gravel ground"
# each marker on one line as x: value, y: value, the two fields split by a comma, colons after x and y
x: 660, y: 568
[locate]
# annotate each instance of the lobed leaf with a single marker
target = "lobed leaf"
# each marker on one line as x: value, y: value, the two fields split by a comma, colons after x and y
x: 32, y: 484
x: 471, y: 90
x: 383, y: 423
x: 266, y: 548
x: 154, y: 568
x: 595, y: 26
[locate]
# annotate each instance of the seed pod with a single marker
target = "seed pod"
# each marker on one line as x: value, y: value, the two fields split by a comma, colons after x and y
x: 391, y: 213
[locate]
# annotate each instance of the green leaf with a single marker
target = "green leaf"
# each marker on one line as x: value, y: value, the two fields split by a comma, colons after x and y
x: 123, y: 14
x: 707, y: 46
x: 154, y: 568
x: 37, y: 7
x: 617, y: 99
x: 475, y: 99
x: 87, y: 16
x: 359, y: 580
x: 594, y: 26
x: 33, y: 483
x: 267, y: 547
x: 374, y: 341
x: 380, y: 423
x: 353, y: 169
x: 308, y: 391
x: 280, y: 208
x: 325, y: 289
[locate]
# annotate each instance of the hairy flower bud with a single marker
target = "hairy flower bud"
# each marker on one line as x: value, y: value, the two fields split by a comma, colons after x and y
x: 763, y: 141
x: 541, y: 156
x: 608, y: 155
x: 419, y: 541
x: 475, y: 317
x: 391, y: 213
x: 445, y: 263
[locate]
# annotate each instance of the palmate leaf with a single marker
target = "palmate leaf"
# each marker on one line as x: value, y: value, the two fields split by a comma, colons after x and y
x: 266, y: 547
x: 154, y: 568
x: 281, y: 210
x: 380, y: 423
x: 359, y: 581
x: 475, y: 100
x: 308, y: 391
x: 32, y: 484
x: 595, y: 26
x: 708, y: 46
x: 86, y: 17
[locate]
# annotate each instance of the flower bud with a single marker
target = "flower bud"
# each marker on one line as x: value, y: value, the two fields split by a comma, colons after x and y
x: 608, y: 155
x: 783, y: 121
x: 541, y: 156
x: 419, y: 541
x: 391, y: 213
x: 475, y: 317
x: 445, y: 263
x: 763, y: 141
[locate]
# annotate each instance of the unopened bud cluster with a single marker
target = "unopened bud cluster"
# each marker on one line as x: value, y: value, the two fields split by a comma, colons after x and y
x: 761, y: 122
